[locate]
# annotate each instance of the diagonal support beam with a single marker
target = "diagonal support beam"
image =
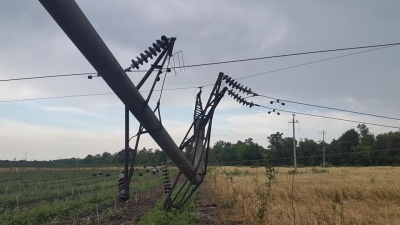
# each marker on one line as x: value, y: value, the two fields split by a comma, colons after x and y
x: 77, y: 27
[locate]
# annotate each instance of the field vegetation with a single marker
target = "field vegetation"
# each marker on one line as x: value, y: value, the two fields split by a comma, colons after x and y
x: 67, y: 196
x: 347, y: 195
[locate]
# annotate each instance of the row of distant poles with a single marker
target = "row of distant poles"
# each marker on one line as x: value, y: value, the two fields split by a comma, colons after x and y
x: 294, y: 145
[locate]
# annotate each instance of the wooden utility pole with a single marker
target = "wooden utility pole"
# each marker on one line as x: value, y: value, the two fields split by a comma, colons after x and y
x: 294, y: 144
x: 323, y: 148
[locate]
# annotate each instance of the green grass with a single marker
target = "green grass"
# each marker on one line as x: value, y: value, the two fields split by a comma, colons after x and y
x: 185, y: 216
x: 51, y: 197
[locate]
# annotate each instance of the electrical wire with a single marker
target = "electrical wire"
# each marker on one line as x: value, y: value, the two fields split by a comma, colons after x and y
x: 328, y: 117
x: 55, y: 97
x: 57, y: 76
x: 380, y: 46
x: 88, y: 95
x: 291, y: 54
x: 308, y: 63
x: 326, y: 107
x: 183, y: 88
x: 49, y: 76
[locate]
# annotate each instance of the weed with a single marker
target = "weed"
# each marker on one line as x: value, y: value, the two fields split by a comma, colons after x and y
x: 264, y: 194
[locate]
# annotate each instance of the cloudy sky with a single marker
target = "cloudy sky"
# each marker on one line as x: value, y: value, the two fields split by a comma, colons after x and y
x: 32, y: 44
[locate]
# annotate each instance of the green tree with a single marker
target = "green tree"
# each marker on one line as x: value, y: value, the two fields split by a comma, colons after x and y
x: 307, y: 153
x: 366, y: 137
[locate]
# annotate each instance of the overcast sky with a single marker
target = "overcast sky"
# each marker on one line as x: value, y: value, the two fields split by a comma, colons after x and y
x: 32, y: 44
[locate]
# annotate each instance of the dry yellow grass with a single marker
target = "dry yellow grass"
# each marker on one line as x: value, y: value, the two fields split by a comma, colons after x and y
x: 340, y: 196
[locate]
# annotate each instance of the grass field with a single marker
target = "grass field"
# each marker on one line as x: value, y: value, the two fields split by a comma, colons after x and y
x: 67, y: 196
x: 348, y: 195
x: 313, y: 196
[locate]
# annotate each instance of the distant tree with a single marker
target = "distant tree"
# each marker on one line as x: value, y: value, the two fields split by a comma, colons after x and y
x: 387, y: 149
x: 307, y: 153
x: 366, y: 137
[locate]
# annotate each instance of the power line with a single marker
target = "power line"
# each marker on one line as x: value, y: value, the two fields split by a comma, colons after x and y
x: 328, y: 117
x: 326, y: 107
x: 308, y: 63
x: 244, y: 77
x: 49, y: 76
x: 56, y: 76
x: 87, y: 95
x: 55, y: 97
x: 232, y: 61
x: 291, y: 54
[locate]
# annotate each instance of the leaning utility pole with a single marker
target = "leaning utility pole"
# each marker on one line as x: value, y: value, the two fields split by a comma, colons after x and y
x: 323, y: 147
x: 294, y: 144
x: 77, y: 27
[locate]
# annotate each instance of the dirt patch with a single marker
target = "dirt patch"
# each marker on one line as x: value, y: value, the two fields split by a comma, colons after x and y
x: 137, y: 209
x: 134, y: 210
x: 209, y: 207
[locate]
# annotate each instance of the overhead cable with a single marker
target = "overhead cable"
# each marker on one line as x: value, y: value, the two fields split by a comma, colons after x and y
x: 376, y: 47
x: 328, y: 117
x: 326, y: 107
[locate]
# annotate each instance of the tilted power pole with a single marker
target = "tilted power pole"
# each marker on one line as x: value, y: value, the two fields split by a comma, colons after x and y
x: 77, y: 27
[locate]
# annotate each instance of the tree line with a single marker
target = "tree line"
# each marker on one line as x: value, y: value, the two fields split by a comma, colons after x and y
x: 355, y: 147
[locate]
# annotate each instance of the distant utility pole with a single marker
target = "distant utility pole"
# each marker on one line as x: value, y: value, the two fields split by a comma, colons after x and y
x: 323, y: 147
x: 294, y: 144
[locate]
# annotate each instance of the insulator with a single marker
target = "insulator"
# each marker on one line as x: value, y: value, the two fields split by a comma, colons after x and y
x: 249, y: 91
x: 231, y: 82
x: 269, y: 112
x: 245, y: 90
x: 153, y: 51
x: 277, y: 100
x: 227, y: 79
x: 123, y: 192
x: 140, y: 60
x: 271, y: 102
x: 144, y: 57
x: 164, y: 38
x: 278, y: 113
x: 235, y: 84
x: 162, y: 44
x: 108, y: 174
x: 134, y: 64
x: 167, y: 181
x: 149, y: 55
x: 157, y: 47
x: 282, y: 103
x: 251, y: 104
x: 229, y: 92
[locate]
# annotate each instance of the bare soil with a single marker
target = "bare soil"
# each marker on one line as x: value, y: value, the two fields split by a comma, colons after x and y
x: 208, y: 206
x: 135, y: 210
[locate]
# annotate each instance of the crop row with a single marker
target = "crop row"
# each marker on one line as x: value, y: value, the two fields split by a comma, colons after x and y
x: 17, y: 194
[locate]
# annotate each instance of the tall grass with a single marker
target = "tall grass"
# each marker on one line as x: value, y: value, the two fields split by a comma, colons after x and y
x: 333, y: 196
